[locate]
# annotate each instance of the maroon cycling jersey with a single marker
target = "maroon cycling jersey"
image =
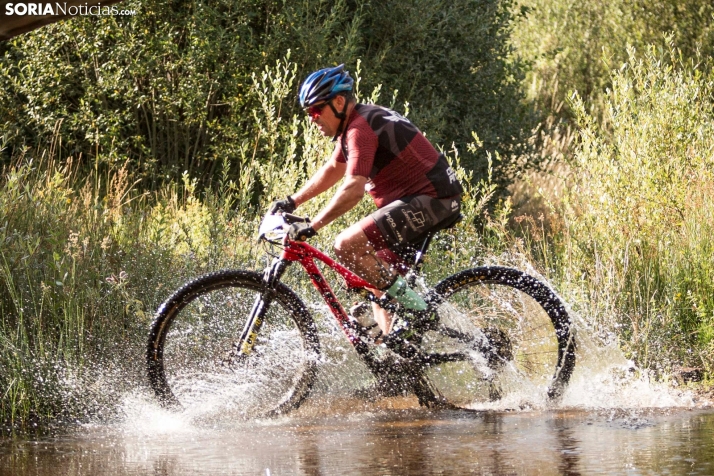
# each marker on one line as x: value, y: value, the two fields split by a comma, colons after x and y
x: 394, y: 155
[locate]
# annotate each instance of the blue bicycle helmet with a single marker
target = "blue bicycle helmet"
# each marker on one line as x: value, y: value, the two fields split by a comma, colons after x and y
x: 325, y: 84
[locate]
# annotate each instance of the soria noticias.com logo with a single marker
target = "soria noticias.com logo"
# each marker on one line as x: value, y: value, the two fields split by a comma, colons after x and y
x: 57, y: 8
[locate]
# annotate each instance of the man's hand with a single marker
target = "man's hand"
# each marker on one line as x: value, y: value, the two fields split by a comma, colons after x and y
x: 286, y: 205
x: 301, y: 231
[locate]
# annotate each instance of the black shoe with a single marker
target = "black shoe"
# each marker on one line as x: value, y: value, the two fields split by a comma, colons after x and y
x: 363, y: 320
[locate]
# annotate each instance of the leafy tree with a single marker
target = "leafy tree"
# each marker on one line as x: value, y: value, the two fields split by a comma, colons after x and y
x: 168, y: 89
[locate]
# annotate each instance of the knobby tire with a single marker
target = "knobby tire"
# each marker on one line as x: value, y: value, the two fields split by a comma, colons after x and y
x: 545, y: 350
x: 193, y: 337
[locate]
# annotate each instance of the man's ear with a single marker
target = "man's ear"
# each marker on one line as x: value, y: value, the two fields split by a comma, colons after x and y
x: 339, y: 102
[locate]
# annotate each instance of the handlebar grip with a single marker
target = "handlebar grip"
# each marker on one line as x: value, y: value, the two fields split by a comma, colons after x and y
x: 290, y: 219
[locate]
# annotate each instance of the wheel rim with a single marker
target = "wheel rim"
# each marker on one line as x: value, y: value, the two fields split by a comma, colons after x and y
x: 523, y: 352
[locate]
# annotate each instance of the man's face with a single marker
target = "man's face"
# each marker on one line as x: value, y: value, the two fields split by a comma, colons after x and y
x: 325, y: 119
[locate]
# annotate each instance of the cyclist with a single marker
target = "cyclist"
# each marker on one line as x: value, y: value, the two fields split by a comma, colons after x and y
x: 414, y: 188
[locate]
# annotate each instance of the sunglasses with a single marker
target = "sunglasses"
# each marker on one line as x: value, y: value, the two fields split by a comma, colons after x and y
x: 316, y: 110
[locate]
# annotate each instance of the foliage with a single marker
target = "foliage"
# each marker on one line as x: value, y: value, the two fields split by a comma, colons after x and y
x: 574, y: 45
x: 630, y: 243
x: 638, y: 235
x: 168, y: 91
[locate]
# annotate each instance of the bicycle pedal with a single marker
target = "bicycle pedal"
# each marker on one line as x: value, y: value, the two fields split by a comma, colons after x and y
x: 359, y: 310
x: 363, y: 318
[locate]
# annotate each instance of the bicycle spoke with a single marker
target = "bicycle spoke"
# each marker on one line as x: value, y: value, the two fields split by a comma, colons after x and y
x: 519, y: 333
x: 546, y: 325
x: 548, y: 352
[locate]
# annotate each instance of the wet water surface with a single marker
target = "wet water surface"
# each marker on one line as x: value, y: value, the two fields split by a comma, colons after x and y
x: 387, y: 441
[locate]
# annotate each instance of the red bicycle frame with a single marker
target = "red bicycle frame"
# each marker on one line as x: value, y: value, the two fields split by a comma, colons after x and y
x: 305, y: 254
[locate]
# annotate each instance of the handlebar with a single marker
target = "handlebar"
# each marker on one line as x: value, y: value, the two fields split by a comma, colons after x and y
x: 290, y: 219
x: 273, y: 229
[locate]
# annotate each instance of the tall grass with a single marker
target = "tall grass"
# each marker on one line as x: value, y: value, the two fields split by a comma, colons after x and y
x: 80, y: 274
x: 634, y: 239
x: 574, y: 45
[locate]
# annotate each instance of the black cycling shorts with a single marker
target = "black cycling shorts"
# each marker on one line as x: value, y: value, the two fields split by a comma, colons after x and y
x: 407, y: 221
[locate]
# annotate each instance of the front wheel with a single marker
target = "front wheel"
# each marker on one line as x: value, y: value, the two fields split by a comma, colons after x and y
x: 192, y: 355
x: 500, y: 330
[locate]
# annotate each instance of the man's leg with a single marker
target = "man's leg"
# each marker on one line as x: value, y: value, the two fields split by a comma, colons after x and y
x: 354, y: 249
x: 402, y: 221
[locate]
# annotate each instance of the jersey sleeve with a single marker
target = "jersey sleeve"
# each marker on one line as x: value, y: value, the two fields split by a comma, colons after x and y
x: 337, y: 154
x: 362, y: 145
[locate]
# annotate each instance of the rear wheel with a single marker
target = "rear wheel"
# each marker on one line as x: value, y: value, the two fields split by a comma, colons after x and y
x: 502, y: 331
x: 192, y: 359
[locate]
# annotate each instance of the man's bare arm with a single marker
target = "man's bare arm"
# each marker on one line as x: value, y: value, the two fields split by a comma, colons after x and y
x: 328, y: 175
x: 347, y: 196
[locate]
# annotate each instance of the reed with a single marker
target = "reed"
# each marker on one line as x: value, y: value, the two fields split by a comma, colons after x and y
x: 629, y: 239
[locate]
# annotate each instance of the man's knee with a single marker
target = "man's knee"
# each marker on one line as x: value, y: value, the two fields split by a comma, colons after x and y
x: 342, y: 243
x: 349, y: 242
x: 339, y: 245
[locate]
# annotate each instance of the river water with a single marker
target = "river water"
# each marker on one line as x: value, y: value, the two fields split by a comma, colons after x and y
x: 613, y: 419
x: 389, y: 438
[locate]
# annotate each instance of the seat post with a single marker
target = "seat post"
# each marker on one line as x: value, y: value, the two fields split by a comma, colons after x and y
x: 419, y: 256
x: 419, y: 259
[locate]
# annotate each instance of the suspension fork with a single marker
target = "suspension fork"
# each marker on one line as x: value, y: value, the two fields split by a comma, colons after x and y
x: 271, y: 277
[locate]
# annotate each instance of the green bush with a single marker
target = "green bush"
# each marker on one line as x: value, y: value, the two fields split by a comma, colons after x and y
x: 169, y: 90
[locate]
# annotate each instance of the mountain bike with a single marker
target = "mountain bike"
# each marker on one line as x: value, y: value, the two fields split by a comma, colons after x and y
x: 249, y: 336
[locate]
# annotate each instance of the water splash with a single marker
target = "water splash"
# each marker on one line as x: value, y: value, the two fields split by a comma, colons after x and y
x: 603, y: 380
